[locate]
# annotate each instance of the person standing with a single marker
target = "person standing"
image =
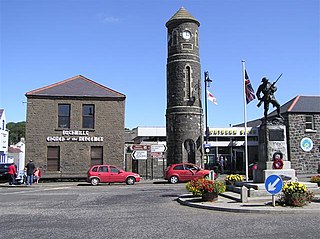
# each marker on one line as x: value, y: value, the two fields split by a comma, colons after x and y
x: 221, y: 164
x: 12, y: 172
x: 30, y: 170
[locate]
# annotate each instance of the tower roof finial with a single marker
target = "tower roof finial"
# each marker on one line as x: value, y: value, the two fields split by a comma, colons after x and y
x: 182, y: 15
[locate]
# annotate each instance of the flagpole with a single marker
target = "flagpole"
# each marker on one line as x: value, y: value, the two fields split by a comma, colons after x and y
x: 245, y: 120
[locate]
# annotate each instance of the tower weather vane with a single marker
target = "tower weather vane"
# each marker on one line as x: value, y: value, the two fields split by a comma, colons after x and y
x: 268, y: 90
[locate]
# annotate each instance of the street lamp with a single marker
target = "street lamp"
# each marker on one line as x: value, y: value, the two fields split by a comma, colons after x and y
x: 207, y: 82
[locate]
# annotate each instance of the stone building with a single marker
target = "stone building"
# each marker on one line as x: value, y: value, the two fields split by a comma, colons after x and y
x: 184, y: 115
x: 302, y: 115
x: 72, y: 125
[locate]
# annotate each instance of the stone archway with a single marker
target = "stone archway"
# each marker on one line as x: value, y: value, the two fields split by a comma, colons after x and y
x: 189, y: 147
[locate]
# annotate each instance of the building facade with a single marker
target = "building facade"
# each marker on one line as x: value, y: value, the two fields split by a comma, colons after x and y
x: 184, y: 116
x: 72, y: 125
x: 228, y: 143
x: 4, y: 137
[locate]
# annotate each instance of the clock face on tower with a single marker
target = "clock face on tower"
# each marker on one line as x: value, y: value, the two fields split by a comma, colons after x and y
x: 186, y: 35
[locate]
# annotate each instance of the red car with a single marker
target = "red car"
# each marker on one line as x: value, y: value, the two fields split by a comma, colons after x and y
x: 110, y: 174
x: 183, y: 172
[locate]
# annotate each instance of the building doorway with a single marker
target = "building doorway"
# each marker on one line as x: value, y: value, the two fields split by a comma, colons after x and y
x: 239, y: 164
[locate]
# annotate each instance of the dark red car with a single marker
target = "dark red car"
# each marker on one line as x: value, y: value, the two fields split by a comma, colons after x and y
x: 183, y: 172
x: 110, y: 174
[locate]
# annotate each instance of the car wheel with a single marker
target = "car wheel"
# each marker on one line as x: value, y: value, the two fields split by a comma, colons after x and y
x: 174, y: 179
x: 94, y: 181
x: 130, y: 180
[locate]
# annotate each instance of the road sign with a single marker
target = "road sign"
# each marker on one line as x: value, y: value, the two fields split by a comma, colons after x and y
x: 139, y: 154
x: 273, y: 184
x: 140, y: 147
x: 207, y: 147
x: 156, y: 155
x: 158, y: 148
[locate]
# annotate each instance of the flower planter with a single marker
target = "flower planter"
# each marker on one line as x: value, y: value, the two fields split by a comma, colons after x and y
x: 209, y: 196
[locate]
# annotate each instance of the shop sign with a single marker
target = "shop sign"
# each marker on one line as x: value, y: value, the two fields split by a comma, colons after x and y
x: 75, y: 136
x: 233, y: 132
x: 74, y: 139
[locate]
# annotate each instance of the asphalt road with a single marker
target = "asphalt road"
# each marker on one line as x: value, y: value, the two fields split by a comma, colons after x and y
x: 144, y: 210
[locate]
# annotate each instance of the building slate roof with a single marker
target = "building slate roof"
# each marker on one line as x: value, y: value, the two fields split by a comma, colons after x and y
x: 1, y: 112
x: 14, y: 150
x: 77, y: 86
x: 299, y: 104
x: 182, y: 15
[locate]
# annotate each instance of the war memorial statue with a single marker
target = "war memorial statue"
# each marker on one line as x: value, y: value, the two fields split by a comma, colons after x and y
x: 268, y: 89
x: 273, y: 156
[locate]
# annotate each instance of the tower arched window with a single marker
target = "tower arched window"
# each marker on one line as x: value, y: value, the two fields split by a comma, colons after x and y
x: 196, y: 40
x: 174, y: 38
x: 188, y: 83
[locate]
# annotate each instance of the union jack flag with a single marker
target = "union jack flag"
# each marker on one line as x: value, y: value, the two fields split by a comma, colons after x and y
x: 248, y: 88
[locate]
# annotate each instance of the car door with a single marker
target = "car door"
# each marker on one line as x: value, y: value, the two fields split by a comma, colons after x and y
x: 115, y: 175
x: 190, y: 171
x: 103, y: 174
x: 198, y: 172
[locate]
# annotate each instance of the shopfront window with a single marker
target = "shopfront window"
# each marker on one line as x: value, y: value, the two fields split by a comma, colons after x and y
x: 88, y: 116
x: 64, y: 116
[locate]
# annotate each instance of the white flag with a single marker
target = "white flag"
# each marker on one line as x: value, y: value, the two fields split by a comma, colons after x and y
x: 212, y: 98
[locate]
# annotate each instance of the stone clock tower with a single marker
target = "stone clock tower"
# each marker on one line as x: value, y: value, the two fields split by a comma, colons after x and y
x: 184, y: 116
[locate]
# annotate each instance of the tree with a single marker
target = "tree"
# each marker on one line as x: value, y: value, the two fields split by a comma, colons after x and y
x: 16, y: 131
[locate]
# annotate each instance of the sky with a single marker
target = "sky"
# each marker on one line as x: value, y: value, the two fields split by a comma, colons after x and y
x: 122, y: 44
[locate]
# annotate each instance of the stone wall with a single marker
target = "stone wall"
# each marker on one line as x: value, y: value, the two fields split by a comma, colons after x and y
x: 301, y: 161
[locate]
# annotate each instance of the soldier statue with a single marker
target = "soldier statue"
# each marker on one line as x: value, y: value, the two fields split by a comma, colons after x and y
x: 268, y: 89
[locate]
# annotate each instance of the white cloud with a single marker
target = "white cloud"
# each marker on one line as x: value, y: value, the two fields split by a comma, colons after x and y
x: 108, y: 19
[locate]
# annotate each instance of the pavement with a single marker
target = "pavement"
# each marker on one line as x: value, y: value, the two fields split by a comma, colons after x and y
x: 254, y: 205
x: 230, y: 203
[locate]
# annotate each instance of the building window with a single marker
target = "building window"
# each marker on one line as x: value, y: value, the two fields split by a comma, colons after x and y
x: 174, y: 38
x: 188, y: 83
x: 53, y: 158
x: 309, y: 122
x: 96, y: 155
x: 64, y: 116
x: 88, y: 116
x: 196, y: 41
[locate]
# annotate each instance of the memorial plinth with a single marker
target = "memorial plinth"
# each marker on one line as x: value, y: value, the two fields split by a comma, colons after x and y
x: 272, y: 140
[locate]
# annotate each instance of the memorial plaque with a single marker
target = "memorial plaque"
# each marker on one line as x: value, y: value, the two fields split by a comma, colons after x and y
x: 276, y: 135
